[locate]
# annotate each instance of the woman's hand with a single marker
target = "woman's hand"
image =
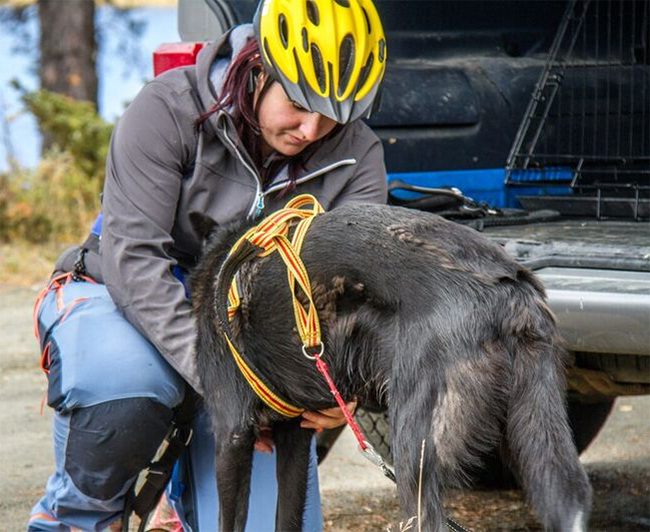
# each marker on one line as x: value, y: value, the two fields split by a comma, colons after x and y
x: 329, y: 418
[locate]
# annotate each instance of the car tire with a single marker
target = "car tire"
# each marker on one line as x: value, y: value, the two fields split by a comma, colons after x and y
x: 376, y: 429
x: 586, y: 418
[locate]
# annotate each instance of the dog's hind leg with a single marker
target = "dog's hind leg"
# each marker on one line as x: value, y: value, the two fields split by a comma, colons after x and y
x: 451, y: 397
x: 539, y: 436
x: 419, y: 494
x: 292, y: 445
x: 234, y: 462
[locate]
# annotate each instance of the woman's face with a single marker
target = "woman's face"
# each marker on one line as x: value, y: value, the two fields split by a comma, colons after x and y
x: 286, y: 127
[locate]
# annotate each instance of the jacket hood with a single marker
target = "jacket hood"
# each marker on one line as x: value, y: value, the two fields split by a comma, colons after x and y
x: 213, y: 60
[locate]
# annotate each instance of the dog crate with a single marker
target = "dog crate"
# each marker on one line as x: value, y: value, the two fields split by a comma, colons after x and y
x: 588, y: 122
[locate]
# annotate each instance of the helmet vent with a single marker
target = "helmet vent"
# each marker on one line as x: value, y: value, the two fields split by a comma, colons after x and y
x: 283, y: 29
x: 382, y: 50
x: 368, y: 26
x: 319, y: 67
x: 365, y: 71
x: 312, y: 12
x: 343, y: 3
x: 346, y: 62
x: 305, y: 40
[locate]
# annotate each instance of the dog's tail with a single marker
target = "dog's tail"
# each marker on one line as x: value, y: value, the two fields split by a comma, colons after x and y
x: 538, y: 432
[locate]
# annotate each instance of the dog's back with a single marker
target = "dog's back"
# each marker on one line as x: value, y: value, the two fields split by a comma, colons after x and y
x: 476, y: 351
x: 436, y: 322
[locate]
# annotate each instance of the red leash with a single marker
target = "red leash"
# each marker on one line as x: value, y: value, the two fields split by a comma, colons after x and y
x: 366, y: 447
x: 321, y: 365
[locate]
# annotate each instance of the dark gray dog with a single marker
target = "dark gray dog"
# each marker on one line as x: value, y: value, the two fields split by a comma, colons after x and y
x: 420, y: 315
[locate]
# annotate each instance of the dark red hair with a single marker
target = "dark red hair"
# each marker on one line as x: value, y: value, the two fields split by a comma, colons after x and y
x: 236, y: 95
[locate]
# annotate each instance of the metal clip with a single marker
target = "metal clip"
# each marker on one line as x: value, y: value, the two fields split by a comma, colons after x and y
x: 373, y: 456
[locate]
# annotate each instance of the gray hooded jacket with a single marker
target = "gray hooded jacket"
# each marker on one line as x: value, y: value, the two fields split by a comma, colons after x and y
x: 160, y: 169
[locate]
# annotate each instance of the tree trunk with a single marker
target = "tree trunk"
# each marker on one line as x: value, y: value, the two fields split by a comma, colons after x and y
x: 68, y: 49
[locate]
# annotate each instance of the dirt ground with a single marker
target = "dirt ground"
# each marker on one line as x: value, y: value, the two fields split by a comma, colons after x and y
x: 355, y: 495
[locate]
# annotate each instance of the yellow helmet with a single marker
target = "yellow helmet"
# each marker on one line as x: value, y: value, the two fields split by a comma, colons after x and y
x: 329, y: 55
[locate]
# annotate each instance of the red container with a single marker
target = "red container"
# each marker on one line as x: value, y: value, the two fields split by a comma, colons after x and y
x: 172, y: 55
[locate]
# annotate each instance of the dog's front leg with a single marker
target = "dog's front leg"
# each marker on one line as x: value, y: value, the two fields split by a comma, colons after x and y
x: 292, y: 446
x: 234, y: 462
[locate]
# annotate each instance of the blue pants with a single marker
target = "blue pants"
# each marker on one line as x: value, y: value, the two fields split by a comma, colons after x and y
x: 113, y: 396
x: 203, y: 515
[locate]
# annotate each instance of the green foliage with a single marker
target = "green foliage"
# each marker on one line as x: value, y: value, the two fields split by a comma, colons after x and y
x: 72, y: 126
x: 57, y: 201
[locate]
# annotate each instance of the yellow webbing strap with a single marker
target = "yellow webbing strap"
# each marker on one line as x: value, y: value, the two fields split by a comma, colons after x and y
x: 263, y: 392
x: 272, y: 235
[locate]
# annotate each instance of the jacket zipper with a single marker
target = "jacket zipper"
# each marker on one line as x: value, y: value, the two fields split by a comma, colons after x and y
x: 309, y: 177
x: 258, y: 204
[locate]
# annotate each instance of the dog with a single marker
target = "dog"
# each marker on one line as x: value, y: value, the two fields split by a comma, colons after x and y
x: 420, y: 315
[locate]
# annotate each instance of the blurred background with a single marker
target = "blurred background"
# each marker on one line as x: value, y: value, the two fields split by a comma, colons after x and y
x: 67, y: 70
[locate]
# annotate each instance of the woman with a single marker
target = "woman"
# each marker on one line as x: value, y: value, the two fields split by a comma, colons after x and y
x: 234, y: 136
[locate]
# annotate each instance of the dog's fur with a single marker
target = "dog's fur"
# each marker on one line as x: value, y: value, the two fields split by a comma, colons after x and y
x: 420, y: 315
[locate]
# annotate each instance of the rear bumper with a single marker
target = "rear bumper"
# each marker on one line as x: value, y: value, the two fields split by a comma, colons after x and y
x: 597, y: 277
x: 600, y: 311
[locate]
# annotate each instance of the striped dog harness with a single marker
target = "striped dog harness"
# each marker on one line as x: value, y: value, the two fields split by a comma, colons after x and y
x: 272, y: 235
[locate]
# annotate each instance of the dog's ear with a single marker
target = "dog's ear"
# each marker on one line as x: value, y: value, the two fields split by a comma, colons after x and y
x: 202, y: 224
